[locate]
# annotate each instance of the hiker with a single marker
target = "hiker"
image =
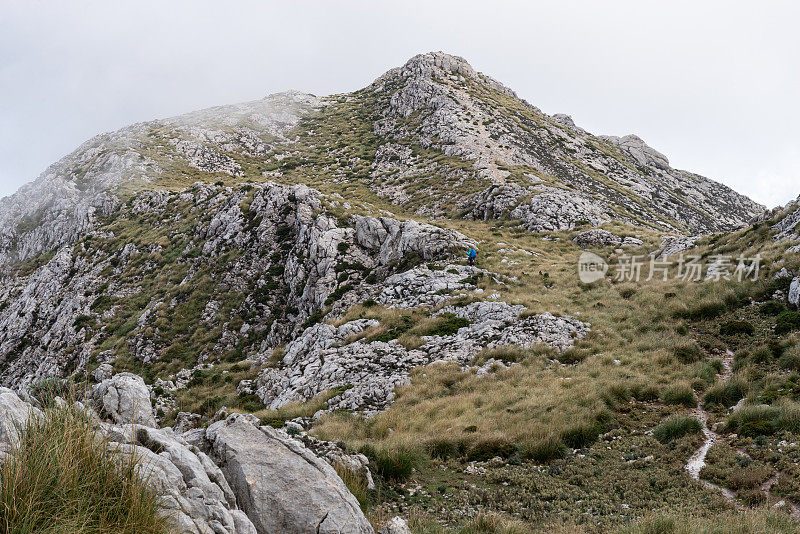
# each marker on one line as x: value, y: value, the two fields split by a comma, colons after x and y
x: 471, y: 255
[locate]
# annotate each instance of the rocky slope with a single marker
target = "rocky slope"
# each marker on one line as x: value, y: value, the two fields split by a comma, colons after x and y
x: 298, y: 257
x: 234, y: 477
x: 433, y: 125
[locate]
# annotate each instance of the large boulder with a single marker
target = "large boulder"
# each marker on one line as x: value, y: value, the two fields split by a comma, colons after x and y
x: 14, y: 413
x: 124, y: 399
x: 196, y: 497
x: 280, y: 484
x: 794, y: 292
x: 597, y: 238
x: 390, y: 240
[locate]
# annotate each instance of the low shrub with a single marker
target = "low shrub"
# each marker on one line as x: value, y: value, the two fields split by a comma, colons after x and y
x: 762, y: 419
x: 394, y: 465
x: 488, y: 448
x: 703, y: 310
x: 581, y: 435
x: 761, y: 354
x: 544, y: 450
x: 754, y: 420
x: 791, y: 359
x: 773, y: 307
x: 676, y: 427
x: 446, y: 324
x: 444, y: 448
x: 679, y: 394
x: 732, y: 328
x: 726, y: 394
x: 688, y: 353
x: 787, y: 321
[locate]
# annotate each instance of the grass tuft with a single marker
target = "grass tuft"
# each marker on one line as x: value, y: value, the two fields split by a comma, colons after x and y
x: 62, y: 478
x: 676, y: 427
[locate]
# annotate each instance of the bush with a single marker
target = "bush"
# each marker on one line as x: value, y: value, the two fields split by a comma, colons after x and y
x: 443, y: 448
x: 688, y: 353
x: 63, y: 478
x: 394, y: 465
x: 544, y: 450
x: 791, y: 359
x: 486, y: 449
x: 732, y: 328
x: 703, y: 310
x: 772, y: 307
x: 787, y: 321
x: 726, y: 394
x: 680, y: 394
x: 581, y: 435
x: 757, y: 420
x: 762, y: 354
x: 446, y: 324
x: 676, y: 427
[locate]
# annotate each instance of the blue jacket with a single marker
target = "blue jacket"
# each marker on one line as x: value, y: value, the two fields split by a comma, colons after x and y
x: 472, y: 253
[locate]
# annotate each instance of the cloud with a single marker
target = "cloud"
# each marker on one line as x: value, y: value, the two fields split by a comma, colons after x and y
x: 712, y: 85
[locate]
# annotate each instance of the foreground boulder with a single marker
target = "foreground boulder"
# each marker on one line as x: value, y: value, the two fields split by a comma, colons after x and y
x: 14, y: 413
x: 124, y: 399
x: 233, y: 478
x: 196, y: 497
x: 280, y: 484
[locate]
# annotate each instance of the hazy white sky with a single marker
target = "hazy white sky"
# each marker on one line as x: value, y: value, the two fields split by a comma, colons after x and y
x: 714, y: 85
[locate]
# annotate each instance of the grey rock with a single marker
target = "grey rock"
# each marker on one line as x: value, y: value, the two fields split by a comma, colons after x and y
x: 396, y: 525
x: 390, y: 240
x: 368, y: 372
x: 124, y: 399
x: 597, y: 238
x: 422, y: 286
x: 556, y: 209
x: 195, y: 493
x: 280, y: 484
x: 186, y: 421
x: 794, y: 292
x: 14, y: 414
x: 675, y: 245
x: 103, y: 372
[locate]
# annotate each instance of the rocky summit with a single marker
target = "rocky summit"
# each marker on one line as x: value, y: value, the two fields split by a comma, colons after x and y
x: 269, y: 306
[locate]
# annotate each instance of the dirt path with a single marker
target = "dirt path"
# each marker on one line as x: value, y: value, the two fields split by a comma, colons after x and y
x: 698, y: 460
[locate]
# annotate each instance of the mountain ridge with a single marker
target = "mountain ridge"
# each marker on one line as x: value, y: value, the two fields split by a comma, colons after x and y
x: 490, y: 159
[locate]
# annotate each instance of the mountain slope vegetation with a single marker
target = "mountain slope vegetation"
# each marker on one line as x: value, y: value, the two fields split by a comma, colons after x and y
x: 300, y: 258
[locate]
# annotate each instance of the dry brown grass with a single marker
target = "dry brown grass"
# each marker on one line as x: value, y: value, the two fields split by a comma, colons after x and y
x: 62, y: 478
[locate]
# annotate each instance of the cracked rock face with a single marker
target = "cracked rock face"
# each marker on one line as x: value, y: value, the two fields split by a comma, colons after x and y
x: 125, y: 399
x: 366, y: 373
x: 675, y: 245
x: 196, y: 495
x: 422, y: 286
x: 291, y: 257
x: 280, y: 484
x: 603, y: 238
x: 14, y: 412
x: 556, y: 210
x: 232, y: 478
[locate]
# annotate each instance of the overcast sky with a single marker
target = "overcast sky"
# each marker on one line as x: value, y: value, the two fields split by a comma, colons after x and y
x: 712, y: 85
